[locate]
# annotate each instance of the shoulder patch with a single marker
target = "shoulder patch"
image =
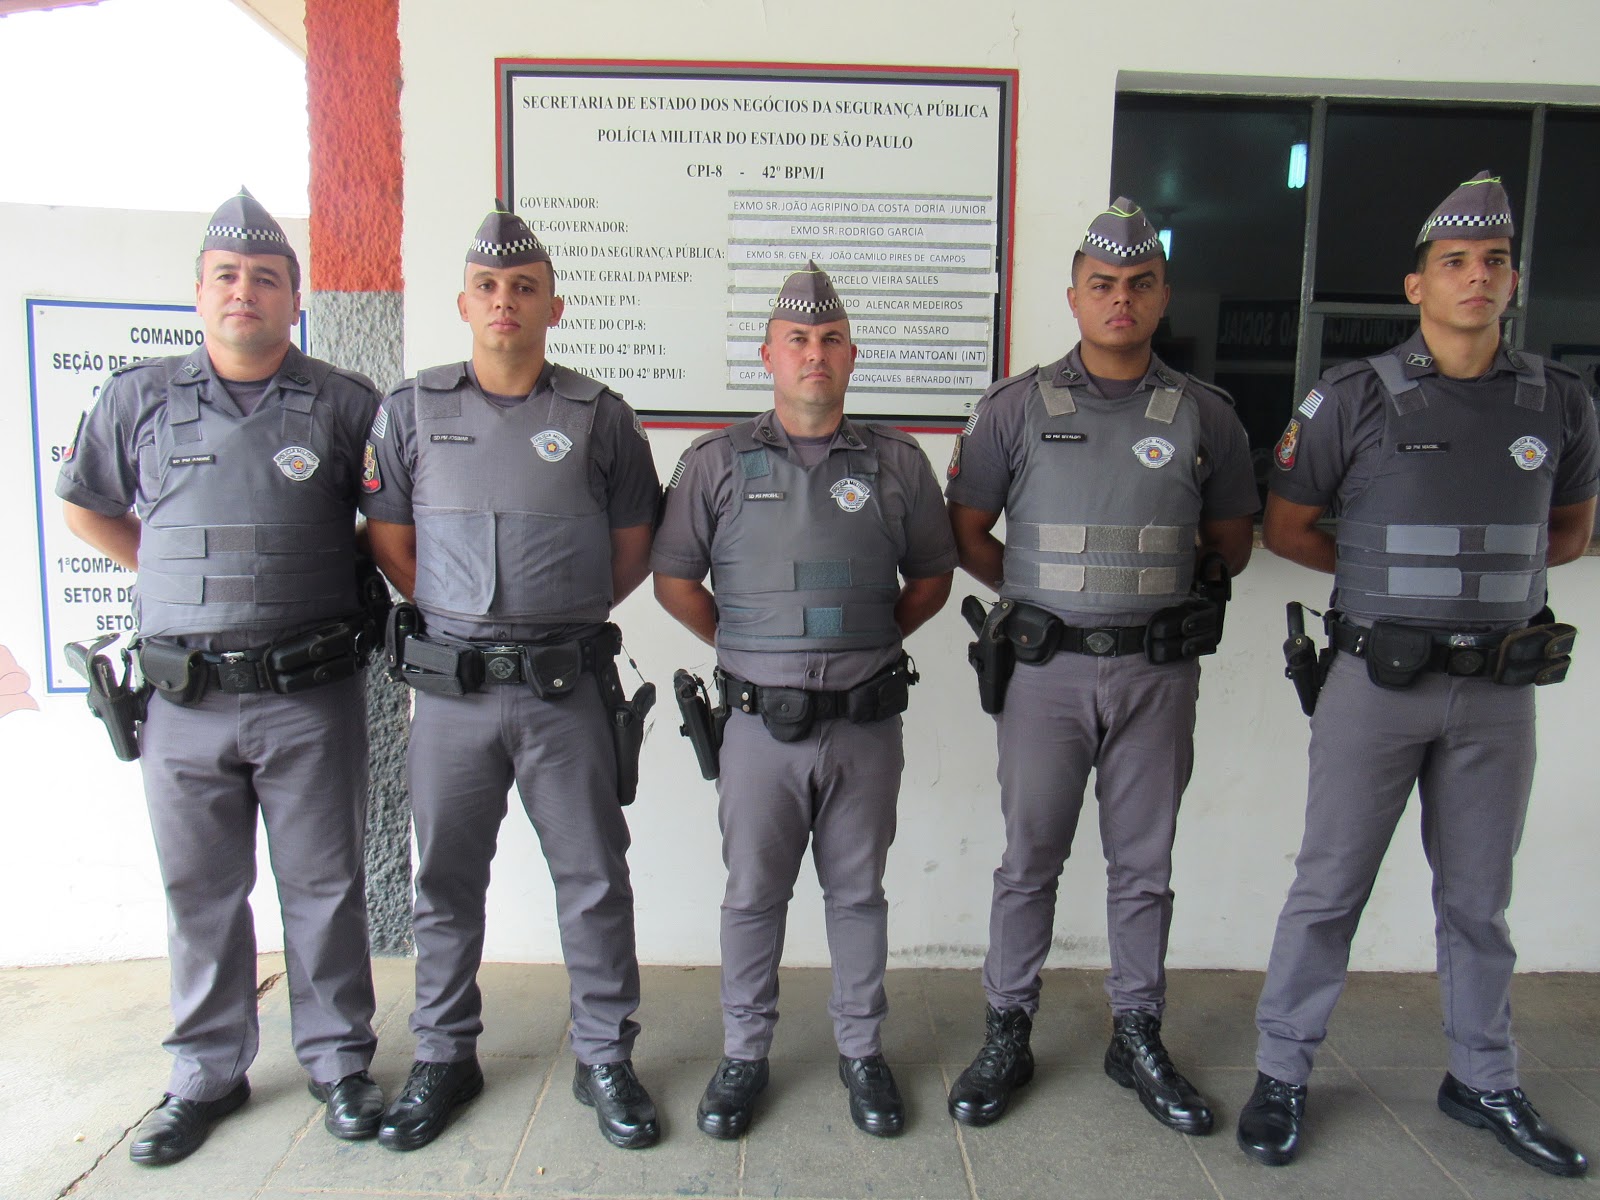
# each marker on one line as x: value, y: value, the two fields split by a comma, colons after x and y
x: 1288, y: 447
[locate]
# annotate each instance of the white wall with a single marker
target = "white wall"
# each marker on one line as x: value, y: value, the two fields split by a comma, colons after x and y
x: 1242, y: 822
x: 78, y: 880
x: 77, y: 876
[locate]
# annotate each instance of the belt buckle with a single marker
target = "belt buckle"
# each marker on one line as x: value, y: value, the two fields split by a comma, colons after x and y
x: 503, y: 664
x: 1100, y: 643
x: 236, y: 673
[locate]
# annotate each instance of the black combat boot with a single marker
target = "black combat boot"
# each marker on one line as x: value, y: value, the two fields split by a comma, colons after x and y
x: 1137, y: 1059
x: 1004, y: 1064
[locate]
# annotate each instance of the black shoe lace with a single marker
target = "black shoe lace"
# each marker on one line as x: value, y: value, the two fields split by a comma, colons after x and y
x: 873, y: 1072
x: 736, y: 1073
x: 424, y: 1077
x: 616, y: 1081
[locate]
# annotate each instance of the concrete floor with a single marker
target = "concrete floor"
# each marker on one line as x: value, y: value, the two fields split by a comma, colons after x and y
x: 80, y: 1064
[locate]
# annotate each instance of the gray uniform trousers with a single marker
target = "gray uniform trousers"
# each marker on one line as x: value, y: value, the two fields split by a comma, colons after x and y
x: 836, y: 788
x: 302, y: 762
x: 1133, y: 722
x: 465, y: 753
x: 1468, y: 746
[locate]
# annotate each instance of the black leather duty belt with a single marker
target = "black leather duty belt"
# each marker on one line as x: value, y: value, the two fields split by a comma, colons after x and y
x: 1110, y: 642
x: 1461, y: 654
x: 746, y: 697
x: 236, y: 671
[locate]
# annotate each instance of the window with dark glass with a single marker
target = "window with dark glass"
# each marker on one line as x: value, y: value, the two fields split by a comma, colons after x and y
x: 1291, y: 224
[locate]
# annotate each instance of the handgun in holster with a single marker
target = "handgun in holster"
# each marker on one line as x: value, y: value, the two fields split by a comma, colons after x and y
x: 372, y: 591
x: 702, y: 724
x: 1304, y: 665
x: 992, y: 656
x: 1214, y: 582
x: 626, y: 714
x: 120, y: 707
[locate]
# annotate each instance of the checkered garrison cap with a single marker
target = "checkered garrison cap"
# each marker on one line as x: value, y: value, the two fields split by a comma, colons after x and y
x: 1477, y: 210
x: 504, y: 240
x: 1122, y: 236
x: 808, y: 298
x: 243, y: 226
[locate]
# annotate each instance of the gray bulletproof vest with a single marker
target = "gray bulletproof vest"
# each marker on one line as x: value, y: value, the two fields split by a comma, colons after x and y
x: 1103, y: 514
x: 808, y: 559
x: 252, y: 521
x: 1455, y: 524
x: 510, y: 522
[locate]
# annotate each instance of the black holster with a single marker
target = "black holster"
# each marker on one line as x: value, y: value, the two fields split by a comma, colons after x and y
x: 120, y: 708
x: 372, y: 590
x: 702, y: 724
x: 992, y: 656
x: 625, y: 715
x: 1304, y: 665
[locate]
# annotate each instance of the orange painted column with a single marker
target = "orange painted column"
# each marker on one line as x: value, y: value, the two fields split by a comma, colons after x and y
x: 353, y: 93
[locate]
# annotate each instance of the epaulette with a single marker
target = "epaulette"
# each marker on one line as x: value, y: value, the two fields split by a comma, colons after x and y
x: 1561, y: 368
x: 355, y: 377
x: 1345, y: 370
x: 1203, y: 386
x: 143, y: 362
x: 442, y: 378
x: 711, y: 435
x: 888, y: 432
x: 570, y: 384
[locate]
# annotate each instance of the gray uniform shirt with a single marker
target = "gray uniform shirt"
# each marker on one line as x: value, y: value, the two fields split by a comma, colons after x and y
x: 700, y: 496
x: 991, y: 450
x: 1338, y: 429
x: 620, y: 467
x: 102, y: 473
x: 1333, y: 447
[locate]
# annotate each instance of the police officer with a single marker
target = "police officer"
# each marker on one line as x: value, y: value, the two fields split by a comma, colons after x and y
x: 513, y: 499
x: 807, y: 521
x: 1116, y: 473
x: 240, y: 464
x: 1460, y: 470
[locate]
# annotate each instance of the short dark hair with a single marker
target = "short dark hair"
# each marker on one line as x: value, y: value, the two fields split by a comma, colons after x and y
x: 1420, y: 258
x: 1078, y: 257
x: 294, y: 270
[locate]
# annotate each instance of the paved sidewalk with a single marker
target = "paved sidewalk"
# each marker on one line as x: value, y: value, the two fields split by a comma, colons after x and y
x: 80, y: 1063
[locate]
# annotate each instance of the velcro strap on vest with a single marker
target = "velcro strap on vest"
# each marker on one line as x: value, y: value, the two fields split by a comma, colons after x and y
x: 278, y: 588
x: 1489, y: 587
x: 1101, y: 539
x: 1446, y: 541
x: 200, y: 541
x: 1110, y: 581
